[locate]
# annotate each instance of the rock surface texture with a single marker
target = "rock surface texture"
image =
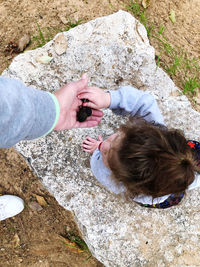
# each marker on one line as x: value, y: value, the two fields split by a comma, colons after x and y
x: 114, y: 51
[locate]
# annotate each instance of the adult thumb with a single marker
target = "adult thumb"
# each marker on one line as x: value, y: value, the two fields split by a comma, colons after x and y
x: 82, y: 83
x: 84, y: 76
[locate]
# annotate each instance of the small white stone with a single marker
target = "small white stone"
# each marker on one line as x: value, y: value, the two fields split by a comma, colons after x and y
x: 60, y: 44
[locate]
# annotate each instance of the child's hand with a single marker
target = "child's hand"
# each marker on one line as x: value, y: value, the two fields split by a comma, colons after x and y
x: 98, y: 98
x: 90, y: 145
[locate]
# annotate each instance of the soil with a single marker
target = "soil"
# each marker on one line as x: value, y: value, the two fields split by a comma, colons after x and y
x: 32, y: 238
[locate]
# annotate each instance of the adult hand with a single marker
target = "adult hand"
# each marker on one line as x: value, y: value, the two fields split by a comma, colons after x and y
x: 69, y: 105
x: 97, y: 97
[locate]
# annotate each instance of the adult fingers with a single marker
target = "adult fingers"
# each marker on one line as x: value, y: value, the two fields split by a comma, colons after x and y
x: 93, y: 118
x: 97, y: 113
x: 86, y: 124
x: 84, y: 76
x: 81, y: 84
x: 79, y: 102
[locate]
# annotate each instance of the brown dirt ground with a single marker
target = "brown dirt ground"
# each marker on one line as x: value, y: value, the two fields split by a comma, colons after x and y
x: 32, y: 237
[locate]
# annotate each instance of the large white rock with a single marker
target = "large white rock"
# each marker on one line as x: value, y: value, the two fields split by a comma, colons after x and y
x: 113, y: 50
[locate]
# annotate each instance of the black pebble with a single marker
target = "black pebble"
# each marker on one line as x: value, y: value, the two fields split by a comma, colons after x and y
x: 88, y: 111
x: 83, y: 113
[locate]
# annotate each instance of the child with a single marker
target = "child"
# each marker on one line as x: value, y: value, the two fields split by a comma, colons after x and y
x: 148, y: 162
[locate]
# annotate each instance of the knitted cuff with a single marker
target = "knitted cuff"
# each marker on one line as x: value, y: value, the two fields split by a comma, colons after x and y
x: 57, y: 112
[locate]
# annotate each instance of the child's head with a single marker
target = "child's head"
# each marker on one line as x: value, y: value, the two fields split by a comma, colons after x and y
x: 149, y: 159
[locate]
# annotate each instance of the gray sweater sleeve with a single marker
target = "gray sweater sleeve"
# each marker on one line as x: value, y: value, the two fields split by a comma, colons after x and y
x: 25, y: 113
x: 129, y: 100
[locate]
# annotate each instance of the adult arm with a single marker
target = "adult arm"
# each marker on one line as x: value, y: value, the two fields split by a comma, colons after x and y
x: 27, y: 113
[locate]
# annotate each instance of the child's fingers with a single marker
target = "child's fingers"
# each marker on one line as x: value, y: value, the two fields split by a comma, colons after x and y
x: 90, y: 139
x: 86, y: 90
x: 87, y: 95
x: 92, y: 99
x: 87, y: 150
x: 86, y: 146
x: 87, y: 142
x: 90, y: 104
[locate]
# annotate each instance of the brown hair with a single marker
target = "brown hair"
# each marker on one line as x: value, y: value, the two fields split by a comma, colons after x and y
x: 151, y: 159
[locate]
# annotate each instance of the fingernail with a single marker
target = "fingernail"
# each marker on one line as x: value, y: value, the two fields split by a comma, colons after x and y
x: 84, y: 76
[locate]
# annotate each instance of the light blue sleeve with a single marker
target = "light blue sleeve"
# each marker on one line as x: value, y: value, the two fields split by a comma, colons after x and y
x: 25, y: 113
x: 129, y: 100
